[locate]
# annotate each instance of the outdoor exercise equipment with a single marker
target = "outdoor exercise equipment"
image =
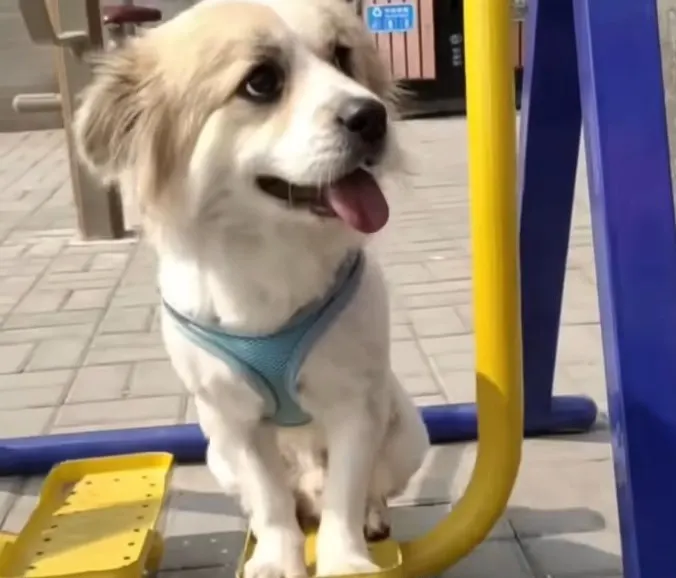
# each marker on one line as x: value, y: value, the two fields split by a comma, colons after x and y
x: 591, y: 61
x: 595, y: 62
x: 499, y: 375
x: 94, y: 517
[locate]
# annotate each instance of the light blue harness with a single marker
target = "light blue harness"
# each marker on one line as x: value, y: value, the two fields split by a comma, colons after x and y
x: 271, y: 363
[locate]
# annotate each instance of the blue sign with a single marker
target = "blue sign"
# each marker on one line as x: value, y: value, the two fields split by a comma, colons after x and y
x: 386, y: 18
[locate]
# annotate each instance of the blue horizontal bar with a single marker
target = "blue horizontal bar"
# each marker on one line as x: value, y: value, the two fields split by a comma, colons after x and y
x: 445, y: 424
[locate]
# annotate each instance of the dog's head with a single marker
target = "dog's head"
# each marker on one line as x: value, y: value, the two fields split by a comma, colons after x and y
x: 265, y: 109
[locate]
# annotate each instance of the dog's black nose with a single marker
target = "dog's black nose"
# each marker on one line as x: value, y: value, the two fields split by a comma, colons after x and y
x: 365, y: 118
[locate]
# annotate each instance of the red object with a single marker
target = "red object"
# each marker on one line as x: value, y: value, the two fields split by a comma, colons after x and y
x: 119, y: 15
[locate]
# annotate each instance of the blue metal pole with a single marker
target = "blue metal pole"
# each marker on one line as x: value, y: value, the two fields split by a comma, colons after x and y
x: 37, y: 455
x: 632, y: 208
x: 550, y: 141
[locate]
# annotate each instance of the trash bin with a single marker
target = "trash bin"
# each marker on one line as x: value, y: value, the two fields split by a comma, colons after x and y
x: 422, y: 42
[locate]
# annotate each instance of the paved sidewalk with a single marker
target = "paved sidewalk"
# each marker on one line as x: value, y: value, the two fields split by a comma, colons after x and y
x: 80, y: 350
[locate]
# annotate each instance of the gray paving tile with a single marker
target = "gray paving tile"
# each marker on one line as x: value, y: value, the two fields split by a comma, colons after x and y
x: 94, y: 413
x: 99, y: 383
x: 126, y: 347
x: 49, y: 396
x: 115, y: 424
x: 23, y: 504
x: 503, y: 556
x: 133, y: 296
x: 9, y: 491
x: 87, y: 299
x: 578, y: 554
x: 32, y: 334
x: 419, y: 385
x: 434, y: 399
x: 154, y: 378
x: 57, y: 354
x: 13, y: 358
x: 459, y: 385
x: 26, y: 380
x: 65, y: 263
x: 58, y: 319
x: 42, y: 301
x: 113, y: 261
x: 407, y: 359
x: 401, y: 332
x: 435, y: 321
x: 204, y: 527
x: 24, y: 422
x: 434, y: 482
x: 126, y: 319
x: 82, y: 280
x: 410, y: 522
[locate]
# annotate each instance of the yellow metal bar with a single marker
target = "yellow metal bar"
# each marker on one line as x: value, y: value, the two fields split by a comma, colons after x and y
x: 492, y: 163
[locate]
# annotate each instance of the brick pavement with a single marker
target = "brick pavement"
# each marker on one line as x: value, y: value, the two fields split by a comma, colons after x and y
x: 80, y: 350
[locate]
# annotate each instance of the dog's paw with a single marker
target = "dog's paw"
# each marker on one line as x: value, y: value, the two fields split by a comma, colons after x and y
x: 259, y: 567
x: 377, y: 526
x: 345, y: 564
x: 342, y: 554
x: 276, y: 556
x: 263, y: 569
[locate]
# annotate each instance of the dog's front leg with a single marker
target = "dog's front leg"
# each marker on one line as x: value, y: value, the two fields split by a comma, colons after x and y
x: 258, y: 467
x: 352, y: 438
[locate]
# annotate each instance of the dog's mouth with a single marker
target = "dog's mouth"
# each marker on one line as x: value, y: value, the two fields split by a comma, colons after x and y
x: 355, y: 198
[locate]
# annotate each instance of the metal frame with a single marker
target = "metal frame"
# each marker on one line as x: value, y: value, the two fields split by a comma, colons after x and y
x: 597, y: 63
x: 550, y: 138
x: 491, y: 122
x: 73, y: 27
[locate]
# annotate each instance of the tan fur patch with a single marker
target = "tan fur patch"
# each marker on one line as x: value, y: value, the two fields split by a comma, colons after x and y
x: 150, y: 99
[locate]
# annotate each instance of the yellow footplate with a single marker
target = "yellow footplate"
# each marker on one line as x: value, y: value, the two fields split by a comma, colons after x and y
x: 94, y: 517
x: 386, y: 554
x: 6, y: 540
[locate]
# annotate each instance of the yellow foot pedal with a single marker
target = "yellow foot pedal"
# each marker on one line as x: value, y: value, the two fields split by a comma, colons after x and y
x: 386, y: 554
x: 6, y: 540
x: 94, y: 517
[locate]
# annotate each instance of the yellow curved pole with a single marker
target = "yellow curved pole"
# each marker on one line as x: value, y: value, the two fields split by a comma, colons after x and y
x: 492, y: 164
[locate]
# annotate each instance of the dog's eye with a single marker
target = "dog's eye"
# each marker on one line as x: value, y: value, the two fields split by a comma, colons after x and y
x: 342, y: 59
x: 264, y: 83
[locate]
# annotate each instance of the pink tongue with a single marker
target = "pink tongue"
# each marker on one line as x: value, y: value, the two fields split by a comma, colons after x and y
x: 358, y: 200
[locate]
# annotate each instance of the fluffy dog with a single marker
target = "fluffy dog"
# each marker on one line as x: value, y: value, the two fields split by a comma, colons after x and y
x: 252, y: 135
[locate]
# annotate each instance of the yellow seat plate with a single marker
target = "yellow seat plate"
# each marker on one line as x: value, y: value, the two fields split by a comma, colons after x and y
x: 93, y: 516
x: 6, y: 540
x: 385, y: 554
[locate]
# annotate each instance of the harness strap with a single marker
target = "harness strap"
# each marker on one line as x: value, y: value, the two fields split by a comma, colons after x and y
x: 271, y: 363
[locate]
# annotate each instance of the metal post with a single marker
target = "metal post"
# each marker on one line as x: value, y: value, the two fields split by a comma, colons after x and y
x: 73, y: 27
x: 99, y: 208
x: 632, y: 210
x: 550, y: 142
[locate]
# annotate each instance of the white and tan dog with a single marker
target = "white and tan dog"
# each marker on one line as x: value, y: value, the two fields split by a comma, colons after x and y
x: 251, y: 135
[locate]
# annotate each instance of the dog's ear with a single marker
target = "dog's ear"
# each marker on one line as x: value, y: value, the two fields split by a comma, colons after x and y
x: 122, y: 121
x: 108, y: 111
